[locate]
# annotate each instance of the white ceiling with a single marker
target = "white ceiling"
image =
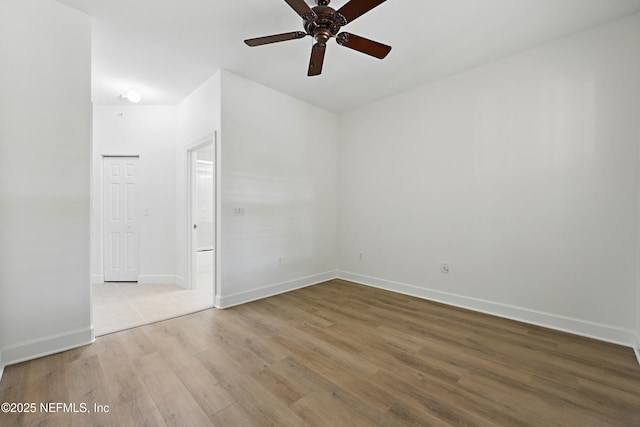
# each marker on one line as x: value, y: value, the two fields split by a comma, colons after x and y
x: 167, y: 48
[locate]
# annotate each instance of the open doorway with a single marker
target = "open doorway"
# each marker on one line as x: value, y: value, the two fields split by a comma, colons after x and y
x: 201, y: 214
x: 134, y: 158
x: 202, y: 223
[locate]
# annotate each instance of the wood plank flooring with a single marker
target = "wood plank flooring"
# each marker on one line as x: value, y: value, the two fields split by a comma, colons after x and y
x: 335, y: 354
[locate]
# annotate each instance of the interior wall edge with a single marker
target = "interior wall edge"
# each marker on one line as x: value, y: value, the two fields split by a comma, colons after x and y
x: 601, y: 332
x: 46, y: 346
x: 228, y: 301
x: 637, y: 346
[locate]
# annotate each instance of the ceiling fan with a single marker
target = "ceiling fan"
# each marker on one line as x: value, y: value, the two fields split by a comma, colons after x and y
x: 322, y: 23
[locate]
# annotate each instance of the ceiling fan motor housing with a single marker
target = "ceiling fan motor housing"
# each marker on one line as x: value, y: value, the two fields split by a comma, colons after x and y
x: 326, y: 25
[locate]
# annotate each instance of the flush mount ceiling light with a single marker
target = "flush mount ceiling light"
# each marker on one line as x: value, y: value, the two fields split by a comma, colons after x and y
x: 132, y: 96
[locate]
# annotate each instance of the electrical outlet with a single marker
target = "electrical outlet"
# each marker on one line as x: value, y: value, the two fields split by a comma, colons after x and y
x: 444, y: 268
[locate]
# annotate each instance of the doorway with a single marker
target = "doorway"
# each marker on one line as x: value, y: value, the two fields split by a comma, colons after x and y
x: 203, y: 224
x: 157, y: 287
x: 201, y: 214
x: 126, y: 297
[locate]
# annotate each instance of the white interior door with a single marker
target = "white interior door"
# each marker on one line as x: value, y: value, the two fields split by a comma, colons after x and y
x: 120, y: 219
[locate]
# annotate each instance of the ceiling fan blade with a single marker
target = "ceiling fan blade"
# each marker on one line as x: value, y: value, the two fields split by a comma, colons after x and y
x: 302, y: 9
x: 317, y: 59
x: 356, y: 8
x: 259, y: 41
x: 363, y: 45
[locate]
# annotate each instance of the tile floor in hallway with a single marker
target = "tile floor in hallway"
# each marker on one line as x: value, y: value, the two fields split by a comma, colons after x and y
x: 119, y: 306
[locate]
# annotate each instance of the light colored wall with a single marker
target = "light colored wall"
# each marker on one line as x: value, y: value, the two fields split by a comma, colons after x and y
x: 198, y: 118
x: 45, y: 120
x: 278, y: 166
x: 637, y: 343
x: 637, y: 346
x: 521, y: 174
x: 199, y: 113
x: 150, y: 132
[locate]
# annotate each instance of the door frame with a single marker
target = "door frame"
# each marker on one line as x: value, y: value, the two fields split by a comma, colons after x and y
x: 191, y: 264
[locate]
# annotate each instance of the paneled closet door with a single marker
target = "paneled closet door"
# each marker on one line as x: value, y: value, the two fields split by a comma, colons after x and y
x: 120, y: 219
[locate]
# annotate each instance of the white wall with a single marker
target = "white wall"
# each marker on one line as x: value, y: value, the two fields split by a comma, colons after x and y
x: 45, y: 120
x: 150, y: 132
x: 637, y: 344
x: 198, y: 118
x: 278, y: 166
x: 521, y: 174
x: 199, y: 113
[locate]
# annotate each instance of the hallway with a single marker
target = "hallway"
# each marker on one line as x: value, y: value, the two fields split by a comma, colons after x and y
x: 120, y: 306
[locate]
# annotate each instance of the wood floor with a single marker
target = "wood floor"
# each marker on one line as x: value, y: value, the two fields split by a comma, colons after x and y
x: 335, y: 354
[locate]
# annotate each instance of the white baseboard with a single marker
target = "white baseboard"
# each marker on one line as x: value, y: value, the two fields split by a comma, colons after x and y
x: 46, y: 346
x: 1, y: 366
x: 566, y: 324
x: 180, y: 281
x: 158, y: 279
x: 636, y: 348
x: 226, y: 301
x: 97, y: 278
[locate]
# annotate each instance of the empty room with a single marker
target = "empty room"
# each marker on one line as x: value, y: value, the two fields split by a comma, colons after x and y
x: 320, y: 213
